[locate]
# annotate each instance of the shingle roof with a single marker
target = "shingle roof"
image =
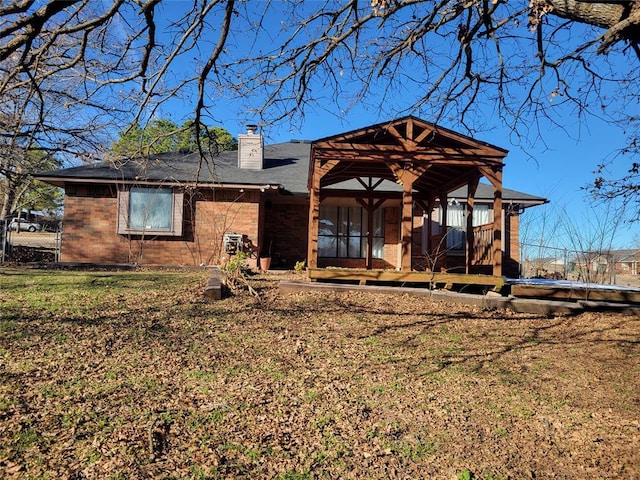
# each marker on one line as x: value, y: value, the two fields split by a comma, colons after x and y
x: 285, y: 164
x: 485, y: 192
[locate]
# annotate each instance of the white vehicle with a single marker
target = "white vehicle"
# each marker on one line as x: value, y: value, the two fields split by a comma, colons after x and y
x: 21, y: 225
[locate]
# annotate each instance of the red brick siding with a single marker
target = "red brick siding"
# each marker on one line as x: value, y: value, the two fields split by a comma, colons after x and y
x: 221, y: 212
x: 286, y: 228
x: 89, y: 231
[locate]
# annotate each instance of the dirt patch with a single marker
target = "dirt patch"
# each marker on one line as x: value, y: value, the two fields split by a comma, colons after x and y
x: 126, y: 376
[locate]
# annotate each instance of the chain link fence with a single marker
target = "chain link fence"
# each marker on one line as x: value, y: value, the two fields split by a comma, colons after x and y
x: 606, y: 266
x: 22, y: 244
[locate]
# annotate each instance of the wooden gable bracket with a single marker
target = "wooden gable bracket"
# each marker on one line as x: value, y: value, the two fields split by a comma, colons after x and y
x: 370, y: 187
x: 406, y: 172
x: 408, y: 143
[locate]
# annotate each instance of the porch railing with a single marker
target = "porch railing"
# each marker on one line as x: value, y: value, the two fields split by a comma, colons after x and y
x: 482, y: 248
x: 482, y: 244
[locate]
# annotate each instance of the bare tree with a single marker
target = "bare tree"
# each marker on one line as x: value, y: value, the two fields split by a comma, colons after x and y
x: 460, y: 62
x: 625, y: 188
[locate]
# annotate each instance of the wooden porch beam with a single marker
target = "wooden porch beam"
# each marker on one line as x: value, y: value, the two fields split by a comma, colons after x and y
x: 459, y: 181
x: 331, y: 147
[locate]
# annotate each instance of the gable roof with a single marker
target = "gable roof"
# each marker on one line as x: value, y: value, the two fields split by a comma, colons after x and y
x: 412, y: 131
x: 442, y: 160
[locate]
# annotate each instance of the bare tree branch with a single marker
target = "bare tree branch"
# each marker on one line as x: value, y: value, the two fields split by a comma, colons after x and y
x: 74, y: 71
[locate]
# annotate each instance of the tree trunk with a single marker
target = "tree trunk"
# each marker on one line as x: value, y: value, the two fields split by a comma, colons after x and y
x: 604, y: 15
x: 7, y: 200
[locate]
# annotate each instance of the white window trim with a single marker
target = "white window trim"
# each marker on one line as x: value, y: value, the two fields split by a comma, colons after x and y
x: 176, y: 216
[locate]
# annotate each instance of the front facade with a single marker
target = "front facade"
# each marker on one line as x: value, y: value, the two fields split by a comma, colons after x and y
x: 375, y: 198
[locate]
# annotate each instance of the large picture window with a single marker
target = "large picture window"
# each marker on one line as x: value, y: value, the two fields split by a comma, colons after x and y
x: 343, y: 232
x: 156, y: 211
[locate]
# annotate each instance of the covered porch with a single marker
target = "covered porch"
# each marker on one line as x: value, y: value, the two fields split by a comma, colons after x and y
x: 401, y: 168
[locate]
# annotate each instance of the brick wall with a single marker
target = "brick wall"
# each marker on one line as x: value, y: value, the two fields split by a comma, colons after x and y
x: 219, y: 212
x: 89, y: 229
x: 285, y: 230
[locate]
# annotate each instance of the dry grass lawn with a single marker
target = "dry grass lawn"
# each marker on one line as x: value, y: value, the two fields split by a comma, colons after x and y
x: 133, y: 375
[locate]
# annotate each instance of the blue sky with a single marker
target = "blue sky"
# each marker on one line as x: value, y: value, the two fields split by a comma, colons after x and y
x: 557, y: 168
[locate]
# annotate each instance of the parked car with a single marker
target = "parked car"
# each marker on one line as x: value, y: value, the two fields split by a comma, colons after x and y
x: 21, y: 225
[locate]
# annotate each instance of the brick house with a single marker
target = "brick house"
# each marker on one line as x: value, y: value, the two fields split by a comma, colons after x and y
x: 375, y: 197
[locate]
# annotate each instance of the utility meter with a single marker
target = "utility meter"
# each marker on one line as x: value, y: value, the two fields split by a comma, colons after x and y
x: 232, y: 243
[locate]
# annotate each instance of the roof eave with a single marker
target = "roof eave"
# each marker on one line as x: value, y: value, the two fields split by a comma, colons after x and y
x: 61, y: 181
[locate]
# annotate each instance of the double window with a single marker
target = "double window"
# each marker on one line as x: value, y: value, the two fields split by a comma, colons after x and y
x: 150, y: 211
x: 343, y: 232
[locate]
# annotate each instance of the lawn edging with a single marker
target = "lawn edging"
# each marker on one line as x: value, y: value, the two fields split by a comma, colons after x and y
x: 489, y: 301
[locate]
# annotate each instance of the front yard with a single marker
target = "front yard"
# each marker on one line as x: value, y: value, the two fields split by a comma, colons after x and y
x: 133, y: 375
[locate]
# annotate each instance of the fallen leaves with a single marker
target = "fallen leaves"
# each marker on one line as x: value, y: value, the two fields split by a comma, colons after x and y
x: 143, y: 379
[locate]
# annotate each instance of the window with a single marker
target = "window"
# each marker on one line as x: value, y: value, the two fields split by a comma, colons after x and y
x: 457, y: 223
x: 343, y: 232
x: 156, y: 211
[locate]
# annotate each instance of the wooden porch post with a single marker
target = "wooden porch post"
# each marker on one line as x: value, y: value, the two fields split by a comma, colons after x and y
x: 370, y: 206
x: 427, y: 230
x: 369, y: 209
x: 314, y: 214
x: 406, y: 174
x: 314, y: 209
x: 494, y: 175
x: 430, y: 205
x: 407, y: 225
x: 471, y: 196
x: 442, y: 248
x: 497, y: 226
